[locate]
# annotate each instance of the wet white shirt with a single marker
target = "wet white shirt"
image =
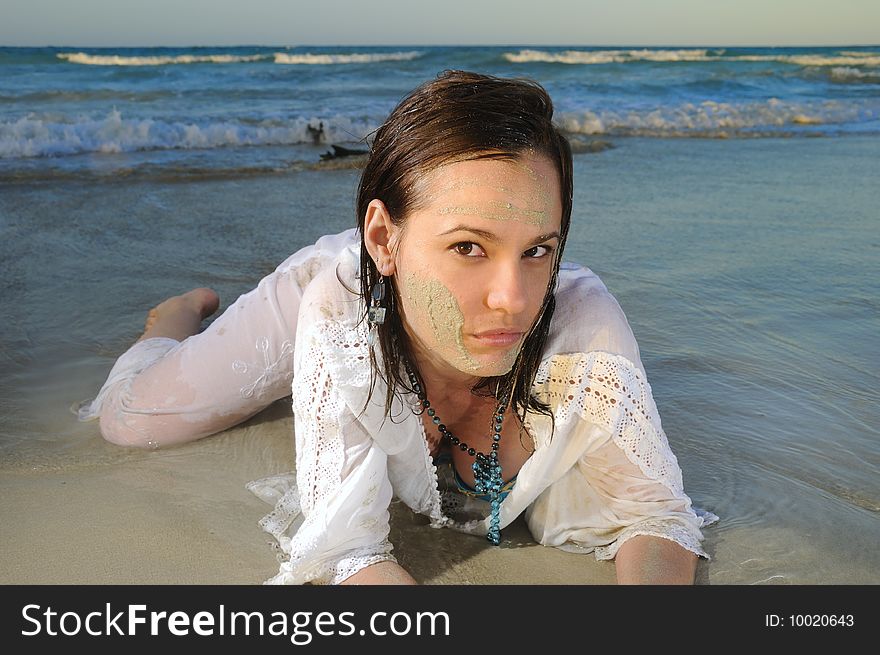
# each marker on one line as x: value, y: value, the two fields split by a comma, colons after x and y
x: 606, y: 475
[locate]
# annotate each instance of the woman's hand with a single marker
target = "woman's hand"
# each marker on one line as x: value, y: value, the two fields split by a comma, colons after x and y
x: 181, y: 316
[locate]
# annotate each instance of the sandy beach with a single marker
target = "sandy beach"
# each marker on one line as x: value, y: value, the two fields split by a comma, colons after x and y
x: 168, y: 517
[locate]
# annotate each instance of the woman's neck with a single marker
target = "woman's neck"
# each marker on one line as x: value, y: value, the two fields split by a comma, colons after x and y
x: 441, y: 379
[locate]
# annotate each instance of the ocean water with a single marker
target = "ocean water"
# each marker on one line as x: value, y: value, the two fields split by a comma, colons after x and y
x: 81, y: 111
x: 732, y: 209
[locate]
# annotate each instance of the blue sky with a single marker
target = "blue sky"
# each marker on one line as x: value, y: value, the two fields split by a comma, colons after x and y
x: 443, y: 22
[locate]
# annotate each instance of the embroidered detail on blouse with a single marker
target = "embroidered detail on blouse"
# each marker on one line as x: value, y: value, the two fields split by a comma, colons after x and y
x: 346, y: 343
x: 269, y: 369
x: 609, y: 390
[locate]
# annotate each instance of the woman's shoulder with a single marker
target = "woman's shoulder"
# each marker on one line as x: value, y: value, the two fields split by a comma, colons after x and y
x: 591, y: 355
x: 332, y: 290
x: 588, y: 318
x: 301, y: 268
x: 331, y: 333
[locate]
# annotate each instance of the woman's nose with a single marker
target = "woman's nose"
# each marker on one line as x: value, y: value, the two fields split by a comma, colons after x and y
x: 507, y: 289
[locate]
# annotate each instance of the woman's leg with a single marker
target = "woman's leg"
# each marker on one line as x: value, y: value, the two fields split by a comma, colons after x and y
x: 179, y: 382
x: 181, y: 316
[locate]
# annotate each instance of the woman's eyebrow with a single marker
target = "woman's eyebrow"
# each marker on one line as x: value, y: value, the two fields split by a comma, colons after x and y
x: 494, y: 238
x: 546, y: 237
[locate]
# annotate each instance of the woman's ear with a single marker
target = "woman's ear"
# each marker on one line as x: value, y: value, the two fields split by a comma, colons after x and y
x: 380, y: 237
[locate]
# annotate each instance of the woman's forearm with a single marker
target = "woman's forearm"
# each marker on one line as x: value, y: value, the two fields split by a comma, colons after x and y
x: 644, y: 559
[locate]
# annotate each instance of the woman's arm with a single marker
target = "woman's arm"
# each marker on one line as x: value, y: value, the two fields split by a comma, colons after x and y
x: 644, y: 559
x: 342, y: 490
x: 624, y: 498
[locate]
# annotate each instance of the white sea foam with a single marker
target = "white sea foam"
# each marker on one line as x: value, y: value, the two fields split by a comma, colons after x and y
x: 42, y: 136
x: 53, y: 135
x: 278, y: 58
x: 845, y: 58
x: 159, y: 60
x: 858, y: 53
x: 352, y: 58
x: 604, y: 56
x: 717, y: 118
x: 848, y: 74
x: 872, y: 59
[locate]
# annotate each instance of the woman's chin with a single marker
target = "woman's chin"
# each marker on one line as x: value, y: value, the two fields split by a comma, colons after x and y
x: 496, y: 363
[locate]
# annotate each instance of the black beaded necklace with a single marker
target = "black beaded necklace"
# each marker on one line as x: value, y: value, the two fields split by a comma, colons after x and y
x: 487, y: 469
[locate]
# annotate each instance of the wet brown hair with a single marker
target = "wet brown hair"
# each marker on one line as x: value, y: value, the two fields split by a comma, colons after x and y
x: 459, y: 116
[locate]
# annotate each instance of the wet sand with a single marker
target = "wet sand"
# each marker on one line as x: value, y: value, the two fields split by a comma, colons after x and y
x: 183, y: 516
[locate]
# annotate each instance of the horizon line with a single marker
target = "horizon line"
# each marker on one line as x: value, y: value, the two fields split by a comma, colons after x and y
x: 462, y: 45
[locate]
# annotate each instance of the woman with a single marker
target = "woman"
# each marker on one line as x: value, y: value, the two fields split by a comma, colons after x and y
x: 440, y: 353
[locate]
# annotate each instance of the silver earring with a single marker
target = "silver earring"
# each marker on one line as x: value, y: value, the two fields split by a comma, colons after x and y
x: 376, y: 313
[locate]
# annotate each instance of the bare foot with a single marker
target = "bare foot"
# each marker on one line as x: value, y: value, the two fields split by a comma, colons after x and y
x: 200, y: 302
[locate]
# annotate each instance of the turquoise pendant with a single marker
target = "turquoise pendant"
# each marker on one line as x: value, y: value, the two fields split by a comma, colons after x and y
x: 488, y: 480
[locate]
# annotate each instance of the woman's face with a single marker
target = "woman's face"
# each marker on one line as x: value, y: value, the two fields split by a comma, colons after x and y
x: 474, y: 262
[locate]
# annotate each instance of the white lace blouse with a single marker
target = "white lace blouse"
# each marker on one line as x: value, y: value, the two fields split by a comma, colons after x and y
x: 606, y: 475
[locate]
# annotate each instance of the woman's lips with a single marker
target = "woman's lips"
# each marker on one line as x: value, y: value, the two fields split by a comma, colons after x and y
x: 498, y: 338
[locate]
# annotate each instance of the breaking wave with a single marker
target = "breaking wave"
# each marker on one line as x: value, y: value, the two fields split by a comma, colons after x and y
x: 155, y: 60
x: 33, y: 136
x: 719, y: 119
x: 352, y: 58
x: 845, y: 58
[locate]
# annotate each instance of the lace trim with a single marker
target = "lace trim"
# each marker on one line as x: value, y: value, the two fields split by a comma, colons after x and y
x: 437, y: 516
x: 609, y: 390
x: 359, y: 559
x: 286, y: 511
x: 344, y: 344
x: 280, y: 523
x: 666, y: 528
x: 320, y: 445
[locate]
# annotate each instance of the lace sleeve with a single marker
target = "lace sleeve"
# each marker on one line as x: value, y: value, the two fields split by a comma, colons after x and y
x: 335, y: 520
x: 627, y: 482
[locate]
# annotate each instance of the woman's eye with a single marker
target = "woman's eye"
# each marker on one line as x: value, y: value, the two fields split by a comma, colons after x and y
x: 466, y: 248
x: 535, y: 252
